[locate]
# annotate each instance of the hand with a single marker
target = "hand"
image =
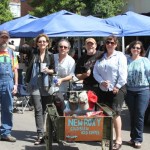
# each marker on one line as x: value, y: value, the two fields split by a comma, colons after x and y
x: 115, y: 90
x: 59, y: 82
x: 15, y: 89
x: 46, y: 70
x: 88, y: 73
x: 106, y: 83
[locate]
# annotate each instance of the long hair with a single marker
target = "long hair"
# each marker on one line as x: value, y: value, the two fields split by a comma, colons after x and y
x: 132, y: 44
x: 47, y: 39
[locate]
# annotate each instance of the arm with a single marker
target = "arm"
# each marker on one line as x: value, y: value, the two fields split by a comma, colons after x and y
x: 50, y: 69
x: 80, y: 74
x: 122, y: 71
x: 15, y: 81
x: 147, y: 68
x: 15, y: 70
x: 96, y: 73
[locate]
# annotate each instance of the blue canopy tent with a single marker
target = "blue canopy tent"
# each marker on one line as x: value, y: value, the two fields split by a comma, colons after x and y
x: 64, y: 23
x: 95, y: 18
x: 16, y: 23
x: 131, y: 24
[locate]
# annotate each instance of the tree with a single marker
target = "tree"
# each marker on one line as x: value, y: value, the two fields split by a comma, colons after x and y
x: 99, y: 8
x: 5, y: 13
x: 50, y: 6
x: 104, y: 8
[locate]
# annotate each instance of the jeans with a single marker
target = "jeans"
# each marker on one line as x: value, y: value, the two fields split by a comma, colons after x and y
x: 6, y: 100
x: 39, y: 103
x: 137, y: 102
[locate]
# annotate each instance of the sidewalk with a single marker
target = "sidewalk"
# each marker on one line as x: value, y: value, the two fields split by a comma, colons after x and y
x: 25, y: 132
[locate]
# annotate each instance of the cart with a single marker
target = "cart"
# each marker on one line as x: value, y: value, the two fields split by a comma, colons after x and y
x: 80, y: 128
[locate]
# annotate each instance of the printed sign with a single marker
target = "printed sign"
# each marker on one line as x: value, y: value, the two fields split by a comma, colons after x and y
x: 83, y: 129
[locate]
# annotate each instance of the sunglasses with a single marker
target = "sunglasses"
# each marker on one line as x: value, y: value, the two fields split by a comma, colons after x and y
x: 138, y: 48
x: 108, y: 42
x: 65, y: 47
x: 42, y: 41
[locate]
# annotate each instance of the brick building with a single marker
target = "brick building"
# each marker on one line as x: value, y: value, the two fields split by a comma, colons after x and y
x: 20, y: 7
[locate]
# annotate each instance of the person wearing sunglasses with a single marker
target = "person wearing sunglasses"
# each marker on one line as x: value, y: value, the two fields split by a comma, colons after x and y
x: 37, y: 78
x: 64, y: 65
x: 138, y: 83
x: 110, y: 72
x: 85, y: 64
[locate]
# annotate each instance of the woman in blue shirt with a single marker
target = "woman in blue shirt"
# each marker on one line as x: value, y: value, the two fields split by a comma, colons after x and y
x: 138, y: 83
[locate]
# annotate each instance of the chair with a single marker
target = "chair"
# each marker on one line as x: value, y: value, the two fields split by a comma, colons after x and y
x: 23, y: 98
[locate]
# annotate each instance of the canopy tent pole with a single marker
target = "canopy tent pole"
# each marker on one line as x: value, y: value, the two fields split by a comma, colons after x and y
x: 79, y: 48
x: 123, y: 45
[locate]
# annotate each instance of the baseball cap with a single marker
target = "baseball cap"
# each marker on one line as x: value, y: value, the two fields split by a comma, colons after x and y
x: 4, y: 33
x: 83, y: 100
x: 90, y: 40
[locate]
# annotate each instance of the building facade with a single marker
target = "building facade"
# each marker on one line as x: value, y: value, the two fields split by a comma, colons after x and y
x: 19, y: 8
x: 138, y: 6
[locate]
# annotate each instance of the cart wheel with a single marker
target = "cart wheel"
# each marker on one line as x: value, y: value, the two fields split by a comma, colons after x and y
x: 106, y: 145
x: 49, y: 137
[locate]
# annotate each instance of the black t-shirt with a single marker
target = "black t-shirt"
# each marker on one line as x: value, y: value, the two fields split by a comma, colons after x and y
x: 87, y: 62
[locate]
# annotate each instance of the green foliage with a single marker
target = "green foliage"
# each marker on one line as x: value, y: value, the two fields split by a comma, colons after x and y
x: 5, y: 13
x: 46, y: 7
x: 104, y: 8
x: 99, y: 8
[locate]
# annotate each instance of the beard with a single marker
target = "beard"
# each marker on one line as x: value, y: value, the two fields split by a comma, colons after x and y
x: 3, y: 46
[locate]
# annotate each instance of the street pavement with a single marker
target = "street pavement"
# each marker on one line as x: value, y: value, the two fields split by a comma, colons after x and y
x: 25, y: 132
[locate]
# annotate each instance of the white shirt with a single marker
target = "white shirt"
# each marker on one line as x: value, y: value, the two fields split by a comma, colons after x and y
x: 113, y: 69
x: 63, y: 69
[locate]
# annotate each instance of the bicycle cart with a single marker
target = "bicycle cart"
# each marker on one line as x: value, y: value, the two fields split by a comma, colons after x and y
x: 80, y: 128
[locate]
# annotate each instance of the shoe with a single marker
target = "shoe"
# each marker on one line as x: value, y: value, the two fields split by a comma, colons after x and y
x: 40, y: 140
x: 131, y: 143
x: 137, y: 145
x: 8, y: 138
x: 117, y: 146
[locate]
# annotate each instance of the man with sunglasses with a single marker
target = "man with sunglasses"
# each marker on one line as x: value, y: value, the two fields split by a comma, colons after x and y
x: 85, y: 64
x: 64, y: 65
x: 8, y: 86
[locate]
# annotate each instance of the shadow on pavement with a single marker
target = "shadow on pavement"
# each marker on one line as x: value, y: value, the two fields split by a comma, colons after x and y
x: 55, y: 147
x: 28, y: 136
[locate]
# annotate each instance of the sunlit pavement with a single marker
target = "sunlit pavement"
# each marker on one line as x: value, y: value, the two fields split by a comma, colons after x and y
x: 24, y: 130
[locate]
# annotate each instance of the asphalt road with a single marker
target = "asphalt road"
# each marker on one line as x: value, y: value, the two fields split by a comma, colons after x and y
x: 24, y: 130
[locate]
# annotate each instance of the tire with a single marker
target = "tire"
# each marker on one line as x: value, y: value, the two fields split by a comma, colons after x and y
x: 49, y: 137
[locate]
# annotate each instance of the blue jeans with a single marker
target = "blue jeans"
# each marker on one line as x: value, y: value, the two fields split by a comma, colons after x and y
x: 6, y: 100
x: 137, y: 102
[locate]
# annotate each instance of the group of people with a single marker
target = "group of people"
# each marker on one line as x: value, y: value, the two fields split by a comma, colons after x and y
x: 112, y: 75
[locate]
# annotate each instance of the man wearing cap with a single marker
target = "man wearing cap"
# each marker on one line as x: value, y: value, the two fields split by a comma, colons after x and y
x: 8, y: 86
x: 85, y: 64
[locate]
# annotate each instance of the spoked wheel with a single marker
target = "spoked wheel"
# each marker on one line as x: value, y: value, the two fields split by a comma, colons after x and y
x: 49, y: 137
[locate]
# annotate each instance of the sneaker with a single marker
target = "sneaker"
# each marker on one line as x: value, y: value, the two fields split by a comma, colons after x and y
x: 8, y: 138
x: 137, y: 145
